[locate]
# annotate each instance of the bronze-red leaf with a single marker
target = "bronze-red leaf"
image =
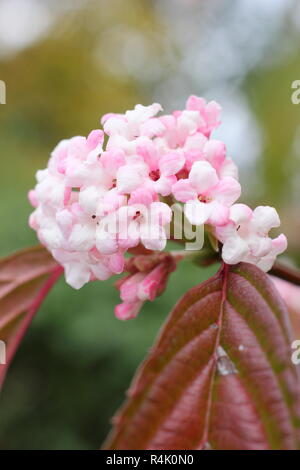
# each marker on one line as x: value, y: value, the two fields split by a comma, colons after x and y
x: 220, y: 375
x: 25, y: 279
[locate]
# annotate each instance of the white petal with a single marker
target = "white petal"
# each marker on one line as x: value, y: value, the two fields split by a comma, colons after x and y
x: 260, y: 246
x: 266, y: 262
x: 225, y: 232
x: 228, y: 168
x: 115, y: 125
x: 240, y: 213
x: 82, y: 237
x: 51, y: 236
x: 106, y: 243
x: 101, y: 271
x: 164, y: 185
x: 264, y: 218
x: 234, y: 250
x: 153, y: 237
x: 196, y: 212
x: 160, y: 213
x: 203, y: 176
x: 76, y: 274
x: 195, y: 142
x: 89, y: 199
x: 129, y: 177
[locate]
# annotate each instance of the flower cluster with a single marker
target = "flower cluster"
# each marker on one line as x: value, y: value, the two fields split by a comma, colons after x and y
x: 96, y: 201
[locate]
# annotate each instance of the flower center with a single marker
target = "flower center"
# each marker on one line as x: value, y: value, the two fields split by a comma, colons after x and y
x: 154, y: 175
x: 137, y: 215
x: 182, y: 174
x: 204, y: 199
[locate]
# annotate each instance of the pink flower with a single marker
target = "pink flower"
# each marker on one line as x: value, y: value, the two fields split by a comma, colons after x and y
x: 95, y: 201
x: 138, y: 121
x: 245, y: 237
x: 210, y: 113
x: 207, y: 197
x: 140, y: 223
x: 82, y: 267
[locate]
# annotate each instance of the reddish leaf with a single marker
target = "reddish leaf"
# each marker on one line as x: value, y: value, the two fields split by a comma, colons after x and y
x: 220, y: 375
x: 25, y: 279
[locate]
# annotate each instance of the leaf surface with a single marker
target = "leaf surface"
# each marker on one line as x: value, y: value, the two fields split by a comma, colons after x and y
x: 220, y: 375
x: 25, y: 279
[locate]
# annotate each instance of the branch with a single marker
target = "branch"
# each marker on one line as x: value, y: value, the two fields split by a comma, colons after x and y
x: 284, y: 272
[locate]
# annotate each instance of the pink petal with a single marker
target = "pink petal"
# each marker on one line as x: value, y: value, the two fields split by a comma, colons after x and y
x: 143, y: 196
x: 227, y: 191
x: 112, y: 160
x: 127, y: 311
x: 279, y: 244
x: 213, y: 114
x: 219, y: 214
x: 171, y: 163
x: 33, y: 198
x: 116, y: 263
x: 184, y: 191
x: 152, y: 127
x: 215, y: 152
x: 195, y: 103
x: 129, y: 288
x: 94, y: 139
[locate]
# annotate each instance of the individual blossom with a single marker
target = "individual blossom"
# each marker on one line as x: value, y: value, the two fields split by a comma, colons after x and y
x: 84, y: 266
x: 207, y: 196
x: 245, y: 237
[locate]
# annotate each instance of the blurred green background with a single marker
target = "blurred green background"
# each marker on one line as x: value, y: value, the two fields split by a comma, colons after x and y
x: 67, y: 63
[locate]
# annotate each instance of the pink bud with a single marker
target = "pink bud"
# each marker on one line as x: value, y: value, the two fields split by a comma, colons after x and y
x: 128, y: 310
x: 95, y: 138
x: 33, y: 198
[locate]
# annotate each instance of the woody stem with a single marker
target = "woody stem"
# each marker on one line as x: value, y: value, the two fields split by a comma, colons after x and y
x: 285, y: 272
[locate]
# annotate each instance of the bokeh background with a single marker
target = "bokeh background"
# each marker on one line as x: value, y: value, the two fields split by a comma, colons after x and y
x: 67, y: 63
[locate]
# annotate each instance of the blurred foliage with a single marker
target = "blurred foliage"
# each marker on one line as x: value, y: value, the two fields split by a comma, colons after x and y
x: 77, y: 360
